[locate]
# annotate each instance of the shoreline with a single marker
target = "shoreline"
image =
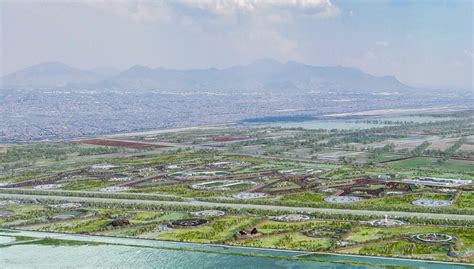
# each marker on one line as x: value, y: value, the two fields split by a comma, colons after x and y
x: 145, y: 241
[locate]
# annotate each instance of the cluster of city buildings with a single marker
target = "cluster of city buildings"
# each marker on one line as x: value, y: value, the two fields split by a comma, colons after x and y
x: 40, y: 114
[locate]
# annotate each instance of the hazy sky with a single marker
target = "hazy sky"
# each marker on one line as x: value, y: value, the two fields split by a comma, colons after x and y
x: 426, y: 42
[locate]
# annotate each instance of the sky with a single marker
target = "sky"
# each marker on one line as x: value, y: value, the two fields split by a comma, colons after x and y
x: 425, y: 43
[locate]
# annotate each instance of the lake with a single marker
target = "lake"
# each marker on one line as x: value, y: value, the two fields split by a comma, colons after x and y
x: 341, y: 123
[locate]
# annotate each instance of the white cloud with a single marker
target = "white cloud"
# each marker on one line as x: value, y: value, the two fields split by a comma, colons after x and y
x: 382, y: 43
x: 140, y: 11
x: 370, y: 55
x: 469, y: 54
x: 152, y: 11
x: 322, y: 8
x: 351, y: 13
x: 250, y: 25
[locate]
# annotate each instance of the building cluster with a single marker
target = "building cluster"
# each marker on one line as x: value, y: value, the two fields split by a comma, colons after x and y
x: 39, y: 114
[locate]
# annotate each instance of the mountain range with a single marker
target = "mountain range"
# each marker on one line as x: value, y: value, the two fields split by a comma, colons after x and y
x: 261, y: 76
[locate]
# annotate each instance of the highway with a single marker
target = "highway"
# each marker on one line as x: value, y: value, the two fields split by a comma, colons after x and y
x: 392, y: 214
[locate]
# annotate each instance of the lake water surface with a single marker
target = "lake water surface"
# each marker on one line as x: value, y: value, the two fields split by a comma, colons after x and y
x: 343, y: 123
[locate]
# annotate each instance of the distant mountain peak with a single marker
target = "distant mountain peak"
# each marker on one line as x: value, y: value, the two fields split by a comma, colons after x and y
x: 139, y: 67
x: 48, y: 74
x: 48, y: 67
x: 262, y: 75
x: 390, y: 78
x: 50, y: 63
x: 265, y: 62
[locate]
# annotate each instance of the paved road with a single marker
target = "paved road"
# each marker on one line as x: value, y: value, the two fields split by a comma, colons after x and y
x: 247, y: 206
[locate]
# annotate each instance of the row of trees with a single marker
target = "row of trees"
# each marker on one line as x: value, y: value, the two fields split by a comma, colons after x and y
x: 451, y: 150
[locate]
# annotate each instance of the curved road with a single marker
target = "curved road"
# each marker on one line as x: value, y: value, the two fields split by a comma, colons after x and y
x: 245, y: 206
